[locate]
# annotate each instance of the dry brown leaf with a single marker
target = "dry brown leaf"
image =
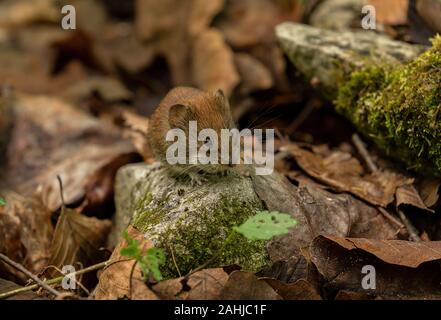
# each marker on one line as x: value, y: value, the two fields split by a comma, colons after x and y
x: 213, y: 63
x: 114, y: 281
x: 77, y: 240
x: 246, y: 286
x: 343, y: 172
x: 407, y: 195
x: 430, y: 11
x: 137, y: 129
x: 391, y: 12
x: 318, y: 212
x: 206, y: 284
x: 25, y: 234
x: 74, y: 146
x: 7, y: 286
x: 172, y: 35
x: 299, y: 290
x: 254, y: 75
x: 20, y: 13
x: 428, y: 189
x: 399, y: 252
x: 108, y: 88
x: 248, y: 22
x: 403, y: 270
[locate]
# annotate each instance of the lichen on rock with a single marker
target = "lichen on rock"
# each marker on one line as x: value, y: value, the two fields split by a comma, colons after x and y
x: 191, y: 223
x: 398, y: 108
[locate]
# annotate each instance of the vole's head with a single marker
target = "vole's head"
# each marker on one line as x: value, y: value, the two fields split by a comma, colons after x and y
x: 202, y: 117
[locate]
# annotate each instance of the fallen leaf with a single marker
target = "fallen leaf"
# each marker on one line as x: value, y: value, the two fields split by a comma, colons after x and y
x: 246, y: 286
x: 299, y: 290
x: 115, y: 281
x: 213, y: 63
x: 77, y: 240
x: 7, y: 286
x: 317, y: 211
x: 206, y: 284
x: 430, y: 11
x: 402, y: 269
x: 74, y: 146
x: 25, y: 234
x: 407, y: 195
x: 344, y: 173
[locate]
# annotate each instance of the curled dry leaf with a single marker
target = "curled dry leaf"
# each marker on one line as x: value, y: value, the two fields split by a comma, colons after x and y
x: 341, y: 171
x: 77, y: 240
x: 25, y: 234
x: 213, y: 63
x: 407, y: 195
x: 114, y: 281
x: 403, y: 269
x: 428, y: 189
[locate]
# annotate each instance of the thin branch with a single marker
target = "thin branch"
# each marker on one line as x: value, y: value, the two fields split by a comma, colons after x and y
x: 361, y: 148
x: 29, y: 274
x: 413, y: 232
x: 58, y: 279
x: 174, y: 260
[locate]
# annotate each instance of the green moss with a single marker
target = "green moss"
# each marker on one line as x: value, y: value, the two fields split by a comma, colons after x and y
x: 195, y: 241
x: 398, y: 108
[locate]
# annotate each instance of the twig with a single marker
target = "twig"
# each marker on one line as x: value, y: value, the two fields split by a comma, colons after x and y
x: 174, y: 260
x: 413, y: 232
x: 29, y: 274
x: 57, y: 280
x: 131, y: 278
x: 361, y: 148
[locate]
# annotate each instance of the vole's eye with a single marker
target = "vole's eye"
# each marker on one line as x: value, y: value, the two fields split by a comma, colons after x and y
x: 207, y: 140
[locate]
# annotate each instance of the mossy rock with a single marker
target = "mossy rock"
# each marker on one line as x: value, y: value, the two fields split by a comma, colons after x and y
x: 390, y: 90
x: 190, y: 223
x: 398, y: 107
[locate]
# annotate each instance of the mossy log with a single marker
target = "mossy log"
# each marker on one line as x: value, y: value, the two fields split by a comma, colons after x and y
x: 390, y: 93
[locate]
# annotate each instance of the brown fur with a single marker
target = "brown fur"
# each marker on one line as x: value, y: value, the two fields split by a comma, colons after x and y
x: 181, y: 105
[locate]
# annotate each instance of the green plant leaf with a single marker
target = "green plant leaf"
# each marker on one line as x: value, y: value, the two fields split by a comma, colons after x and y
x: 149, y: 263
x: 2, y: 202
x: 153, y: 259
x: 266, y: 225
x: 132, y: 249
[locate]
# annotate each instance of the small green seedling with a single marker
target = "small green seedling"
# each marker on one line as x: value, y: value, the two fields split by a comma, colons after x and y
x: 149, y: 262
x: 265, y: 225
x: 2, y: 202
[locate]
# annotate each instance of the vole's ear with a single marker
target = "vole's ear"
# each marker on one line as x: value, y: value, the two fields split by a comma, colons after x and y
x: 179, y: 115
x: 224, y: 104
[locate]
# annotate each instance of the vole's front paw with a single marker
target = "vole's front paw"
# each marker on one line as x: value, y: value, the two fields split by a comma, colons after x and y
x: 196, y: 179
